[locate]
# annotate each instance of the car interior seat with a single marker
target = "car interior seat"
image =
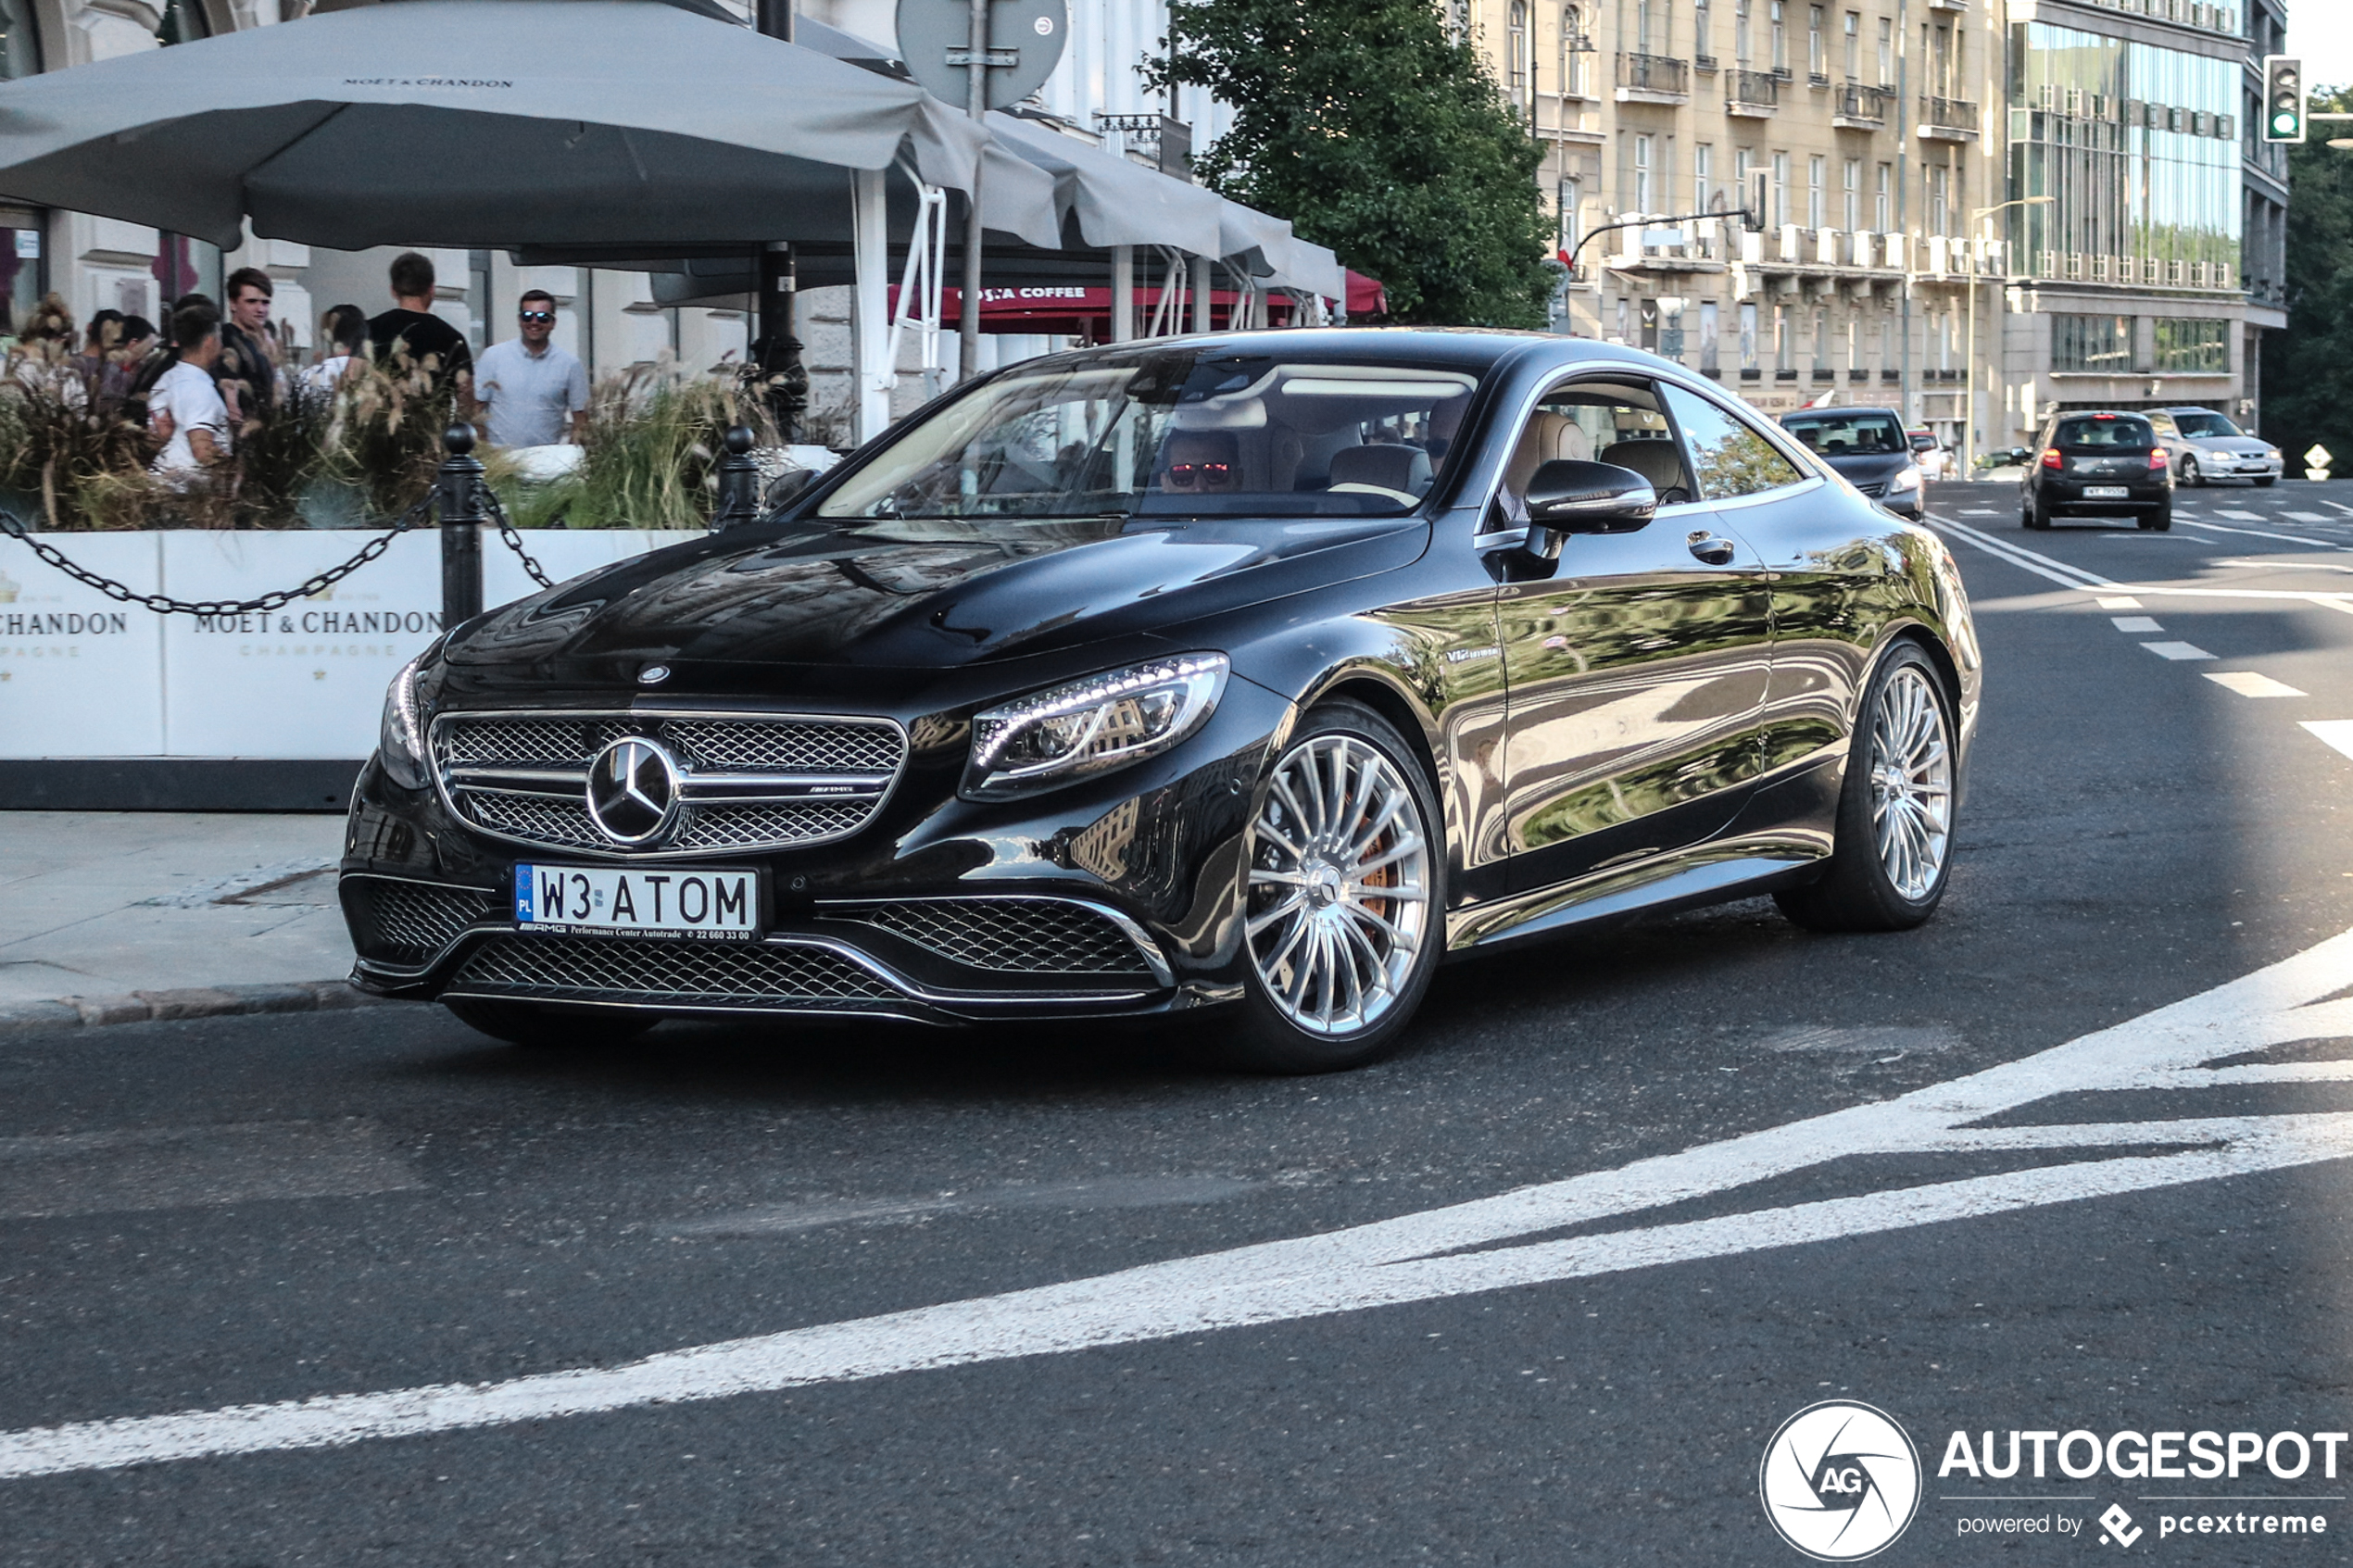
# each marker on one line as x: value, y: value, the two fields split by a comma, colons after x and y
x: 1661, y: 462
x: 1401, y: 470
x: 1549, y: 436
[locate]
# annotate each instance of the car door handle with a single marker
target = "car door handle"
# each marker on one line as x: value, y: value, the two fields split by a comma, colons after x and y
x: 1708, y: 547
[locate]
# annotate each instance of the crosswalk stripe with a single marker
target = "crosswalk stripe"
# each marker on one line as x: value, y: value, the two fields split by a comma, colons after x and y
x: 2247, y: 682
x: 2177, y: 650
x: 2337, y: 733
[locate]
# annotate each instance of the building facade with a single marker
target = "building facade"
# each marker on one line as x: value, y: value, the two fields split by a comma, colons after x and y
x: 1876, y: 164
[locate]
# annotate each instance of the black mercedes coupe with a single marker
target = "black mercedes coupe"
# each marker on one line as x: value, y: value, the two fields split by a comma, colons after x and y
x: 1254, y: 674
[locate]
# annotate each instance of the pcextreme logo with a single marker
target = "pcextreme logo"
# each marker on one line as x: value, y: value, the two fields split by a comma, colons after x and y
x: 1839, y: 1481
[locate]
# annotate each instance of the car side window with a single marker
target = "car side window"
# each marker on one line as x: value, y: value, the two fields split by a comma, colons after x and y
x: 1730, y: 456
x: 1614, y: 420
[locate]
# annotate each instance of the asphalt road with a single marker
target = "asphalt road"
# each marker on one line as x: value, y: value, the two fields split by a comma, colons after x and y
x: 2112, y: 1236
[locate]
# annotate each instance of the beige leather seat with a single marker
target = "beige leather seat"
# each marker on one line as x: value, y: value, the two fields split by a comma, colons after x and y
x: 1661, y: 462
x: 1401, y: 470
x: 1547, y: 438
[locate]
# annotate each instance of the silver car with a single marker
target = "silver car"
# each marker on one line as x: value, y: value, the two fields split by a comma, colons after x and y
x: 2206, y: 446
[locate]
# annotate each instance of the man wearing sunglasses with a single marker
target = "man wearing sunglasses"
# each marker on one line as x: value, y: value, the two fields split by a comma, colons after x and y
x: 533, y: 393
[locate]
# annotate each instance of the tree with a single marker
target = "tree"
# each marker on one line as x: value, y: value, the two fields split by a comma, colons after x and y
x: 2307, y: 370
x: 1379, y: 134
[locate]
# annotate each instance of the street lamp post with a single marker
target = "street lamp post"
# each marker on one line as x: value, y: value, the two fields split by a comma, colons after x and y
x: 1969, y: 422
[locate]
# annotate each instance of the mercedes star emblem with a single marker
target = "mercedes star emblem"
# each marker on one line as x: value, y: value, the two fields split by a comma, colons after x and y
x: 633, y: 790
x: 653, y: 674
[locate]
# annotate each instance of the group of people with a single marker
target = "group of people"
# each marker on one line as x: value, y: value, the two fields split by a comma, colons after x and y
x: 215, y: 376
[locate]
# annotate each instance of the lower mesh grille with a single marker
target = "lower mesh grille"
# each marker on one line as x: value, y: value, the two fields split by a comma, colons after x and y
x: 406, y: 923
x: 696, y: 973
x: 1029, y: 935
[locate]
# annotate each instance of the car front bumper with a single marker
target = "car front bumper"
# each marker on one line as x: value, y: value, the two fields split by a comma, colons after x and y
x: 1117, y: 895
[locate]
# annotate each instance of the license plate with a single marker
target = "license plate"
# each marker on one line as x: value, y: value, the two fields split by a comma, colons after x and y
x: 714, y: 906
x: 2106, y: 492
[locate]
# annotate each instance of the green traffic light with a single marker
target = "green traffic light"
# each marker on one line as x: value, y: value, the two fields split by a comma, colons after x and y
x: 2283, y: 122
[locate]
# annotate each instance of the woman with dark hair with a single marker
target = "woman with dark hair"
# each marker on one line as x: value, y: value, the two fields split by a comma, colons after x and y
x: 343, y: 333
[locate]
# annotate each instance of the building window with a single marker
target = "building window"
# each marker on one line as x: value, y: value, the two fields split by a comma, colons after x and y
x: 1853, y: 178
x: 1781, y: 36
x: 1748, y: 337
x: 1702, y: 172
x: 1854, y: 61
x: 1709, y: 359
x: 1939, y: 202
x: 1642, y: 27
x: 1816, y: 47
x: 1780, y: 189
x: 1886, y: 52
x: 1816, y: 175
x: 1519, y: 52
x: 1883, y: 195
x: 2092, y: 343
x: 1575, y: 46
x: 1822, y: 337
x: 2186, y: 345
x: 1703, y: 33
x: 1784, y: 351
x: 1739, y: 33
x: 1572, y: 223
x: 1643, y: 174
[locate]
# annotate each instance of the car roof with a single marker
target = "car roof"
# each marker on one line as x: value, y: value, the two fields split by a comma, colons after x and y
x: 1832, y: 413
x: 2186, y: 408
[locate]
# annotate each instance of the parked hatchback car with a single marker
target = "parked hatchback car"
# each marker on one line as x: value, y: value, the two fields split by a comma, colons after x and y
x: 1869, y: 448
x: 2099, y: 465
x: 2206, y: 446
x: 1254, y: 674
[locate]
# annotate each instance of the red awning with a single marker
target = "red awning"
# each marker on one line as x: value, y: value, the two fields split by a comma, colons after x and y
x: 1365, y: 296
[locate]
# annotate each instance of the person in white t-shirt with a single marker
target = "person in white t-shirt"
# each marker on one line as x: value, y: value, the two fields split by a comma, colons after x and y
x: 533, y: 393
x: 185, y: 407
x: 346, y: 330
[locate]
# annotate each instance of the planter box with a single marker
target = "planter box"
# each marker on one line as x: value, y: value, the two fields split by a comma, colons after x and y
x: 86, y: 678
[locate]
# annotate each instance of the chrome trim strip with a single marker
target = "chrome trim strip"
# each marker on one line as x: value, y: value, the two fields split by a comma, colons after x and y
x: 560, y: 783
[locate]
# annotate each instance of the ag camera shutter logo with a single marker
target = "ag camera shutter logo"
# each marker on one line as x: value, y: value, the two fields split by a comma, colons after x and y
x: 1839, y: 1481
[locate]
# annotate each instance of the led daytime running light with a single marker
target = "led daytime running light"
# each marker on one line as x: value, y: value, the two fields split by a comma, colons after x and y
x: 1102, y: 722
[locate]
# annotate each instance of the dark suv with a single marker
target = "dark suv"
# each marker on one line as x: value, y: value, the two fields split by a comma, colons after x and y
x: 2099, y: 465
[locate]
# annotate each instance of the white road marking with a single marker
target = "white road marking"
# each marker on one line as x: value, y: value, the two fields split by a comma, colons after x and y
x: 2247, y: 682
x: 1428, y: 1256
x: 2135, y: 623
x: 2069, y: 576
x: 2338, y: 504
x: 2177, y: 650
x: 2308, y: 517
x: 1979, y: 511
x: 2304, y: 539
x: 2283, y: 563
x: 2337, y: 733
x: 2240, y: 516
x: 2121, y: 601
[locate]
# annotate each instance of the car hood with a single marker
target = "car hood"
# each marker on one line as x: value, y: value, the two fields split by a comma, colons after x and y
x: 1864, y: 468
x: 915, y: 594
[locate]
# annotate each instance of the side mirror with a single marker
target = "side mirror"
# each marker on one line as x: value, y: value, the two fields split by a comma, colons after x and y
x: 1571, y: 497
x: 788, y: 485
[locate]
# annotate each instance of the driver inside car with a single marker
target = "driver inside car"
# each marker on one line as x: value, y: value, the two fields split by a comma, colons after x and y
x: 1198, y: 462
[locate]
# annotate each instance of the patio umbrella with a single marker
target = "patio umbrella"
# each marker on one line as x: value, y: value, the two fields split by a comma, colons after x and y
x: 469, y: 123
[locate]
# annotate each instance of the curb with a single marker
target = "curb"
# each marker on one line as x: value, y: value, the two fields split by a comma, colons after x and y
x: 196, y: 1001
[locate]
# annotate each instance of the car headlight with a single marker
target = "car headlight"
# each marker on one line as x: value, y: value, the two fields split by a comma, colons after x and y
x: 1103, y: 722
x: 400, y: 740
x: 1907, y: 480
x: 2272, y: 453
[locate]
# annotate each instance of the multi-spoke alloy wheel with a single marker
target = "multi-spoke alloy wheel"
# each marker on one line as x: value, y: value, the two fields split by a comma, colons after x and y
x: 1911, y: 784
x: 1343, y: 914
x: 1894, y: 847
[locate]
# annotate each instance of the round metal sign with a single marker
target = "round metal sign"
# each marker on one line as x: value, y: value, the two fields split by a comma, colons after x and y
x: 1025, y: 40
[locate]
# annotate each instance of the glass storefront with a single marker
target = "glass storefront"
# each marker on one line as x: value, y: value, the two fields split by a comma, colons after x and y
x: 2186, y: 345
x: 2092, y: 343
x: 2139, y: 145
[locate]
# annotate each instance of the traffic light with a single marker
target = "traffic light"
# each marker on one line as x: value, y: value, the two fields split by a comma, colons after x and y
x: 2282, y: 98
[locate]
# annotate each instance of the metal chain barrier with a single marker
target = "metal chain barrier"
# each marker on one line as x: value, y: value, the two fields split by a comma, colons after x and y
x: 487, y: 500
x: 164, y: 604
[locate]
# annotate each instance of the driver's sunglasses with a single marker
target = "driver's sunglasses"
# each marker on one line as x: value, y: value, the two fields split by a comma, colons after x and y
x: 536, y: 315
x: 1208, y: 473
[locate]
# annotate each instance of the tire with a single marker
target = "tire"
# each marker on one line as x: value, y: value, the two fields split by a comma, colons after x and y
x: 542, y: 1026
x: 2159, y: 522
x: 2190, y: 475
x: 1333, y: 972
x: 1906, y: 713
x: 2267, y: 482
x: 2039, y: 518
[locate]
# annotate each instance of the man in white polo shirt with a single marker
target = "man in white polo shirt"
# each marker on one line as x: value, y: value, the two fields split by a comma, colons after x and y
x: 184, y: 410
x: 532, y: 391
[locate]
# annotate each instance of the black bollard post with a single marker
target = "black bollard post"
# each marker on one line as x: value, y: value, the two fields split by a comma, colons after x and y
x: 739, y: 481
x: 457, y: 499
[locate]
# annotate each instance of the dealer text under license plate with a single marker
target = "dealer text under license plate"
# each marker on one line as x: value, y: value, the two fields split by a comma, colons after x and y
x: 723, y: 906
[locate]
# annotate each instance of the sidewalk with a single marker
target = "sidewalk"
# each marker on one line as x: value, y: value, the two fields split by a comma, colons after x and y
x: 114, y: 917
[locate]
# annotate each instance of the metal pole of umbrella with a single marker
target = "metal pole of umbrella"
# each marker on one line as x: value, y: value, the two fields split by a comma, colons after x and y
x: 786, y: 382
x: 968, y: 297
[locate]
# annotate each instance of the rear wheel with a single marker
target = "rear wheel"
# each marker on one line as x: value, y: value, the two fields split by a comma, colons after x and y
x: 1345, y: 904
x: 2159, y: 521
x: 544, y: 1027
x: 1895, y: 837
x: 2038, y: 516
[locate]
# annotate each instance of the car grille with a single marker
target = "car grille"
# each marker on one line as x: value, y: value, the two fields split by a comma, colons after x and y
x: 1876, y: 488
x: 408, y: 922
x: 655, y: 972
x: 1030, y: 936
x: 809, y: 780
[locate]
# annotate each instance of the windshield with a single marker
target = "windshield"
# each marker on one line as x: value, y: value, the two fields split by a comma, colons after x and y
x: 2206, y: 424
x: 2103, y: 432
x: 1848, y: 435
x: 1173, y: 432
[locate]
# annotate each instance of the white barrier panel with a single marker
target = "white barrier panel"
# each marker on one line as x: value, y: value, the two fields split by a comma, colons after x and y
x: 84, y: 676
x: 81, y: 674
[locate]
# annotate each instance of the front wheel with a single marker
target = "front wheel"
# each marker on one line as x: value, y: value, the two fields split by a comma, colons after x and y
x: 1344, y: 906
x: 542, y: 1026
x: 2190, y: 475
x: 1894, y: 847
